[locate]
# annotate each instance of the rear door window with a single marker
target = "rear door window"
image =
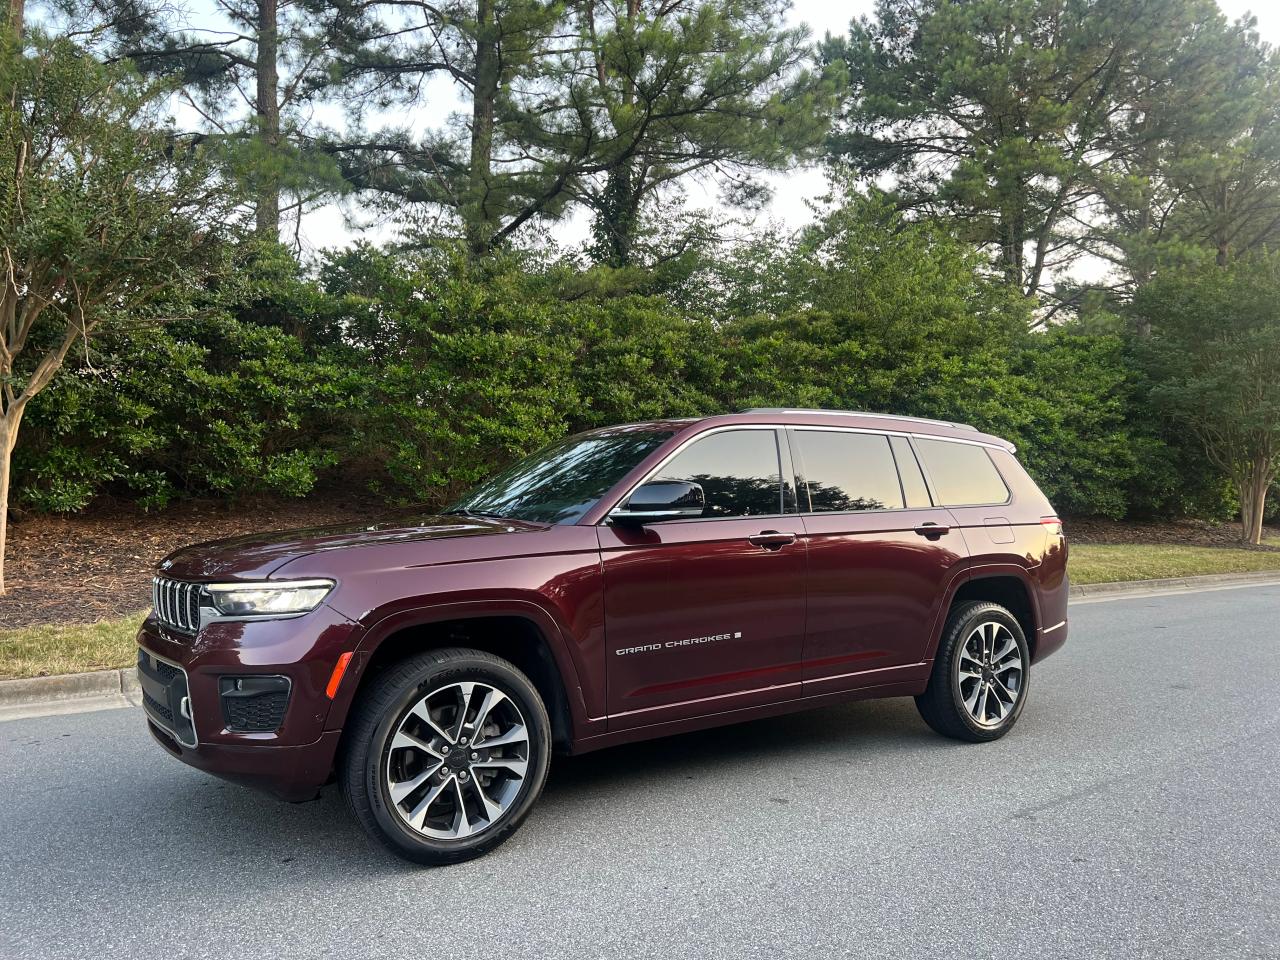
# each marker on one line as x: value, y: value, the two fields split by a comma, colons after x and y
x: 740, y: 472
x: 962, y: 474
x: 846, y: 472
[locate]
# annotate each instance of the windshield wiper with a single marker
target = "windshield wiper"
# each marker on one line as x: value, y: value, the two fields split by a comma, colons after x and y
x: 466, y: 512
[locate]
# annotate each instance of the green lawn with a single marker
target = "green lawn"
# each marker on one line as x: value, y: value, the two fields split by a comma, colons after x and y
x: 75, y: 648
x: 43, y: 651
x: 1106, y: 563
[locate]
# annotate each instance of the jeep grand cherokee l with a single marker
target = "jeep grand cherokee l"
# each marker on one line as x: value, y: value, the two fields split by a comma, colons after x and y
x: 626, y: 583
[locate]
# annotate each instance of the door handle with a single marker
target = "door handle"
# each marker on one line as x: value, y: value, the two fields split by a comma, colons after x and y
x: 933, y: 531
x: 772, y: 539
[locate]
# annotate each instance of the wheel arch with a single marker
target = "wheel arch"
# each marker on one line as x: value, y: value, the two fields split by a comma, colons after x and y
x: 518, y: 631
x: 1008, y: 585
x: 1009, y: 589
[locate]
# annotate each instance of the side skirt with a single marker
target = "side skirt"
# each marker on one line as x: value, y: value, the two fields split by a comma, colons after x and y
x: 724, y: 718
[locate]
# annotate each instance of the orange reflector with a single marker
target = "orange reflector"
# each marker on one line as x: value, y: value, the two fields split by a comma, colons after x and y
x: 339, y: 669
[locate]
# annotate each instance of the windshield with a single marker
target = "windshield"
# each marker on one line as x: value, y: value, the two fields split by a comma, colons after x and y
x: 560, y: 483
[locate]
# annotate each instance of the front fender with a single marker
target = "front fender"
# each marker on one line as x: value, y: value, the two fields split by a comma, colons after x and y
x: 565, y: 654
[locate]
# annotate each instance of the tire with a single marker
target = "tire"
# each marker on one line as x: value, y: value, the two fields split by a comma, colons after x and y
x: 953, y: 704
x: 407, y: 763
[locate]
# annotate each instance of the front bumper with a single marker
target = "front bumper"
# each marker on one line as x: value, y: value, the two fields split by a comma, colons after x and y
x: 293, y: 773
x: 185, y: 679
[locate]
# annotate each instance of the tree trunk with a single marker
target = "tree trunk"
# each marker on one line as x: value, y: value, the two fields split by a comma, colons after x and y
x: 477, y: 219
x: 8, y: 434
x: 1253, y: 499
x: 268, y: 117
x: 16, y: 16
x: 619, y: 216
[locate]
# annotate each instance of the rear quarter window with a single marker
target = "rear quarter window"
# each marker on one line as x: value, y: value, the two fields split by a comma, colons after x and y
x: 962, y: 474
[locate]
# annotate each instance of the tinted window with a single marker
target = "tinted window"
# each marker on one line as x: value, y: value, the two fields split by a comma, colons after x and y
x: 847, y: 471
x: 560, y: 483
x: 962, y: 474
x: 909, y: 470
x: 739, y: 471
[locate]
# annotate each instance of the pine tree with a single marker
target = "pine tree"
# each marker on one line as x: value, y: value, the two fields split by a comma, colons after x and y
x: 253, y: 76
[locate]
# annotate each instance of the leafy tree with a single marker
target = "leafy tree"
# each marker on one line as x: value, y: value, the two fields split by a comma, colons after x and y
x: 469, y: 364
x: 1214, y: 354
x: 209, y: 405
x: 105, y: 217
x: 1012, y: 117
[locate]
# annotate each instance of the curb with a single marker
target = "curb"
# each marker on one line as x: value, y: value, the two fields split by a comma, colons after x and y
x: 1175, y: 584
x: 69, y: 693
x: 110, y: 689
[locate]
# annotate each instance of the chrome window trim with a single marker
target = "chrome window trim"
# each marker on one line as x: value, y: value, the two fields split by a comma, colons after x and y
x: 195, y: 735
x: 825, y: 428
x: 681, y: 448
x: 972, y: 443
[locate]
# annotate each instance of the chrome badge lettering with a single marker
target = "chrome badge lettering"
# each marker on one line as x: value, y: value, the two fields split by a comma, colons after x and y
x: 672, y: 644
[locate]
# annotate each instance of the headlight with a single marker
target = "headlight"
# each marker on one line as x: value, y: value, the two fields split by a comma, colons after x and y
x: 267, y: 598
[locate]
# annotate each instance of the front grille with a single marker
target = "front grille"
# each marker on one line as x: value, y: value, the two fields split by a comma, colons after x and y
x: 156, y: 707
x: 177, y: 604
x: 166, y: 671
x: 165, y: 697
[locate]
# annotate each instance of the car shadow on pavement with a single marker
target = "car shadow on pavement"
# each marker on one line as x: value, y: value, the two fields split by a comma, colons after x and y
x: 829, y: 734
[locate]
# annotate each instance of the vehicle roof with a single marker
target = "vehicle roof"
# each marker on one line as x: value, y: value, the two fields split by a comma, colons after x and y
x: 857, y: 419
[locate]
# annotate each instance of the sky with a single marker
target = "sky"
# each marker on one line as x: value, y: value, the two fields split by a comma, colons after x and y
x: 793, y: 190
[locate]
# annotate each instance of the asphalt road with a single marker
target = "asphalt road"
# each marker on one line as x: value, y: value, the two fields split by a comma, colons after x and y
x: 1134, y: 812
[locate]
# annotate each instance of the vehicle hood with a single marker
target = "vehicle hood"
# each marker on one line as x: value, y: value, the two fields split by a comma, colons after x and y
x: 257, y: 555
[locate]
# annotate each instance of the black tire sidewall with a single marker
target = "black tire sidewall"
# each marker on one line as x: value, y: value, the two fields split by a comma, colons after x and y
x: 458, y: 668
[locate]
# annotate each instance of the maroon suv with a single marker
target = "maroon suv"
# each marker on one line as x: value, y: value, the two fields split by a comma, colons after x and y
x: 626, y: 583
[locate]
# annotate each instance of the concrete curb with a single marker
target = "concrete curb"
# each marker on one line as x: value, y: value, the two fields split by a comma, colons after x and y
x: 109, y: 689
x: 1175, y: 584
x: 69, y: 693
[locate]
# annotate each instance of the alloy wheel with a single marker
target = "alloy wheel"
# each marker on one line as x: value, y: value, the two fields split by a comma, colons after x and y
x: 457, y: 761
x: 990, y: 673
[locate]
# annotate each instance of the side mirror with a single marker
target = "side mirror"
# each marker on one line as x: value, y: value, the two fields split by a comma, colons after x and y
x: 660, y: 500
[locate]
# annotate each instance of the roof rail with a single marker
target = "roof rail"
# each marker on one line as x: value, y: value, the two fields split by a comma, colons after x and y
x: 862, y: 413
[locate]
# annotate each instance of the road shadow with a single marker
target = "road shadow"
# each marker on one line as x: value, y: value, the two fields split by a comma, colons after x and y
x: 830, y: 734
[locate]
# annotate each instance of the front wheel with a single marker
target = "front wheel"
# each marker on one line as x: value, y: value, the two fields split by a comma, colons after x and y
x: 446, y: 755
x: 980, y: 676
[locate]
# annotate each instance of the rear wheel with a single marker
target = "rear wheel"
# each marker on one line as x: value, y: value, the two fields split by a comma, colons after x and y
x: 980, y: 676
x: 446, y: 755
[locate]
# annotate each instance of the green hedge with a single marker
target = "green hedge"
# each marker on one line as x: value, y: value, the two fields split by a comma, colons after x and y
x: 415, y: 375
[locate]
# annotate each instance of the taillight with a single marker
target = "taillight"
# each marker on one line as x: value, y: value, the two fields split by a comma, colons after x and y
x: 1053, y: 525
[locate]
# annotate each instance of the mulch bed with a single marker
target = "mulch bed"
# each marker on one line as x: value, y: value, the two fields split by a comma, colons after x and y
x: 98, y: 565
x: 1187, y: 533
